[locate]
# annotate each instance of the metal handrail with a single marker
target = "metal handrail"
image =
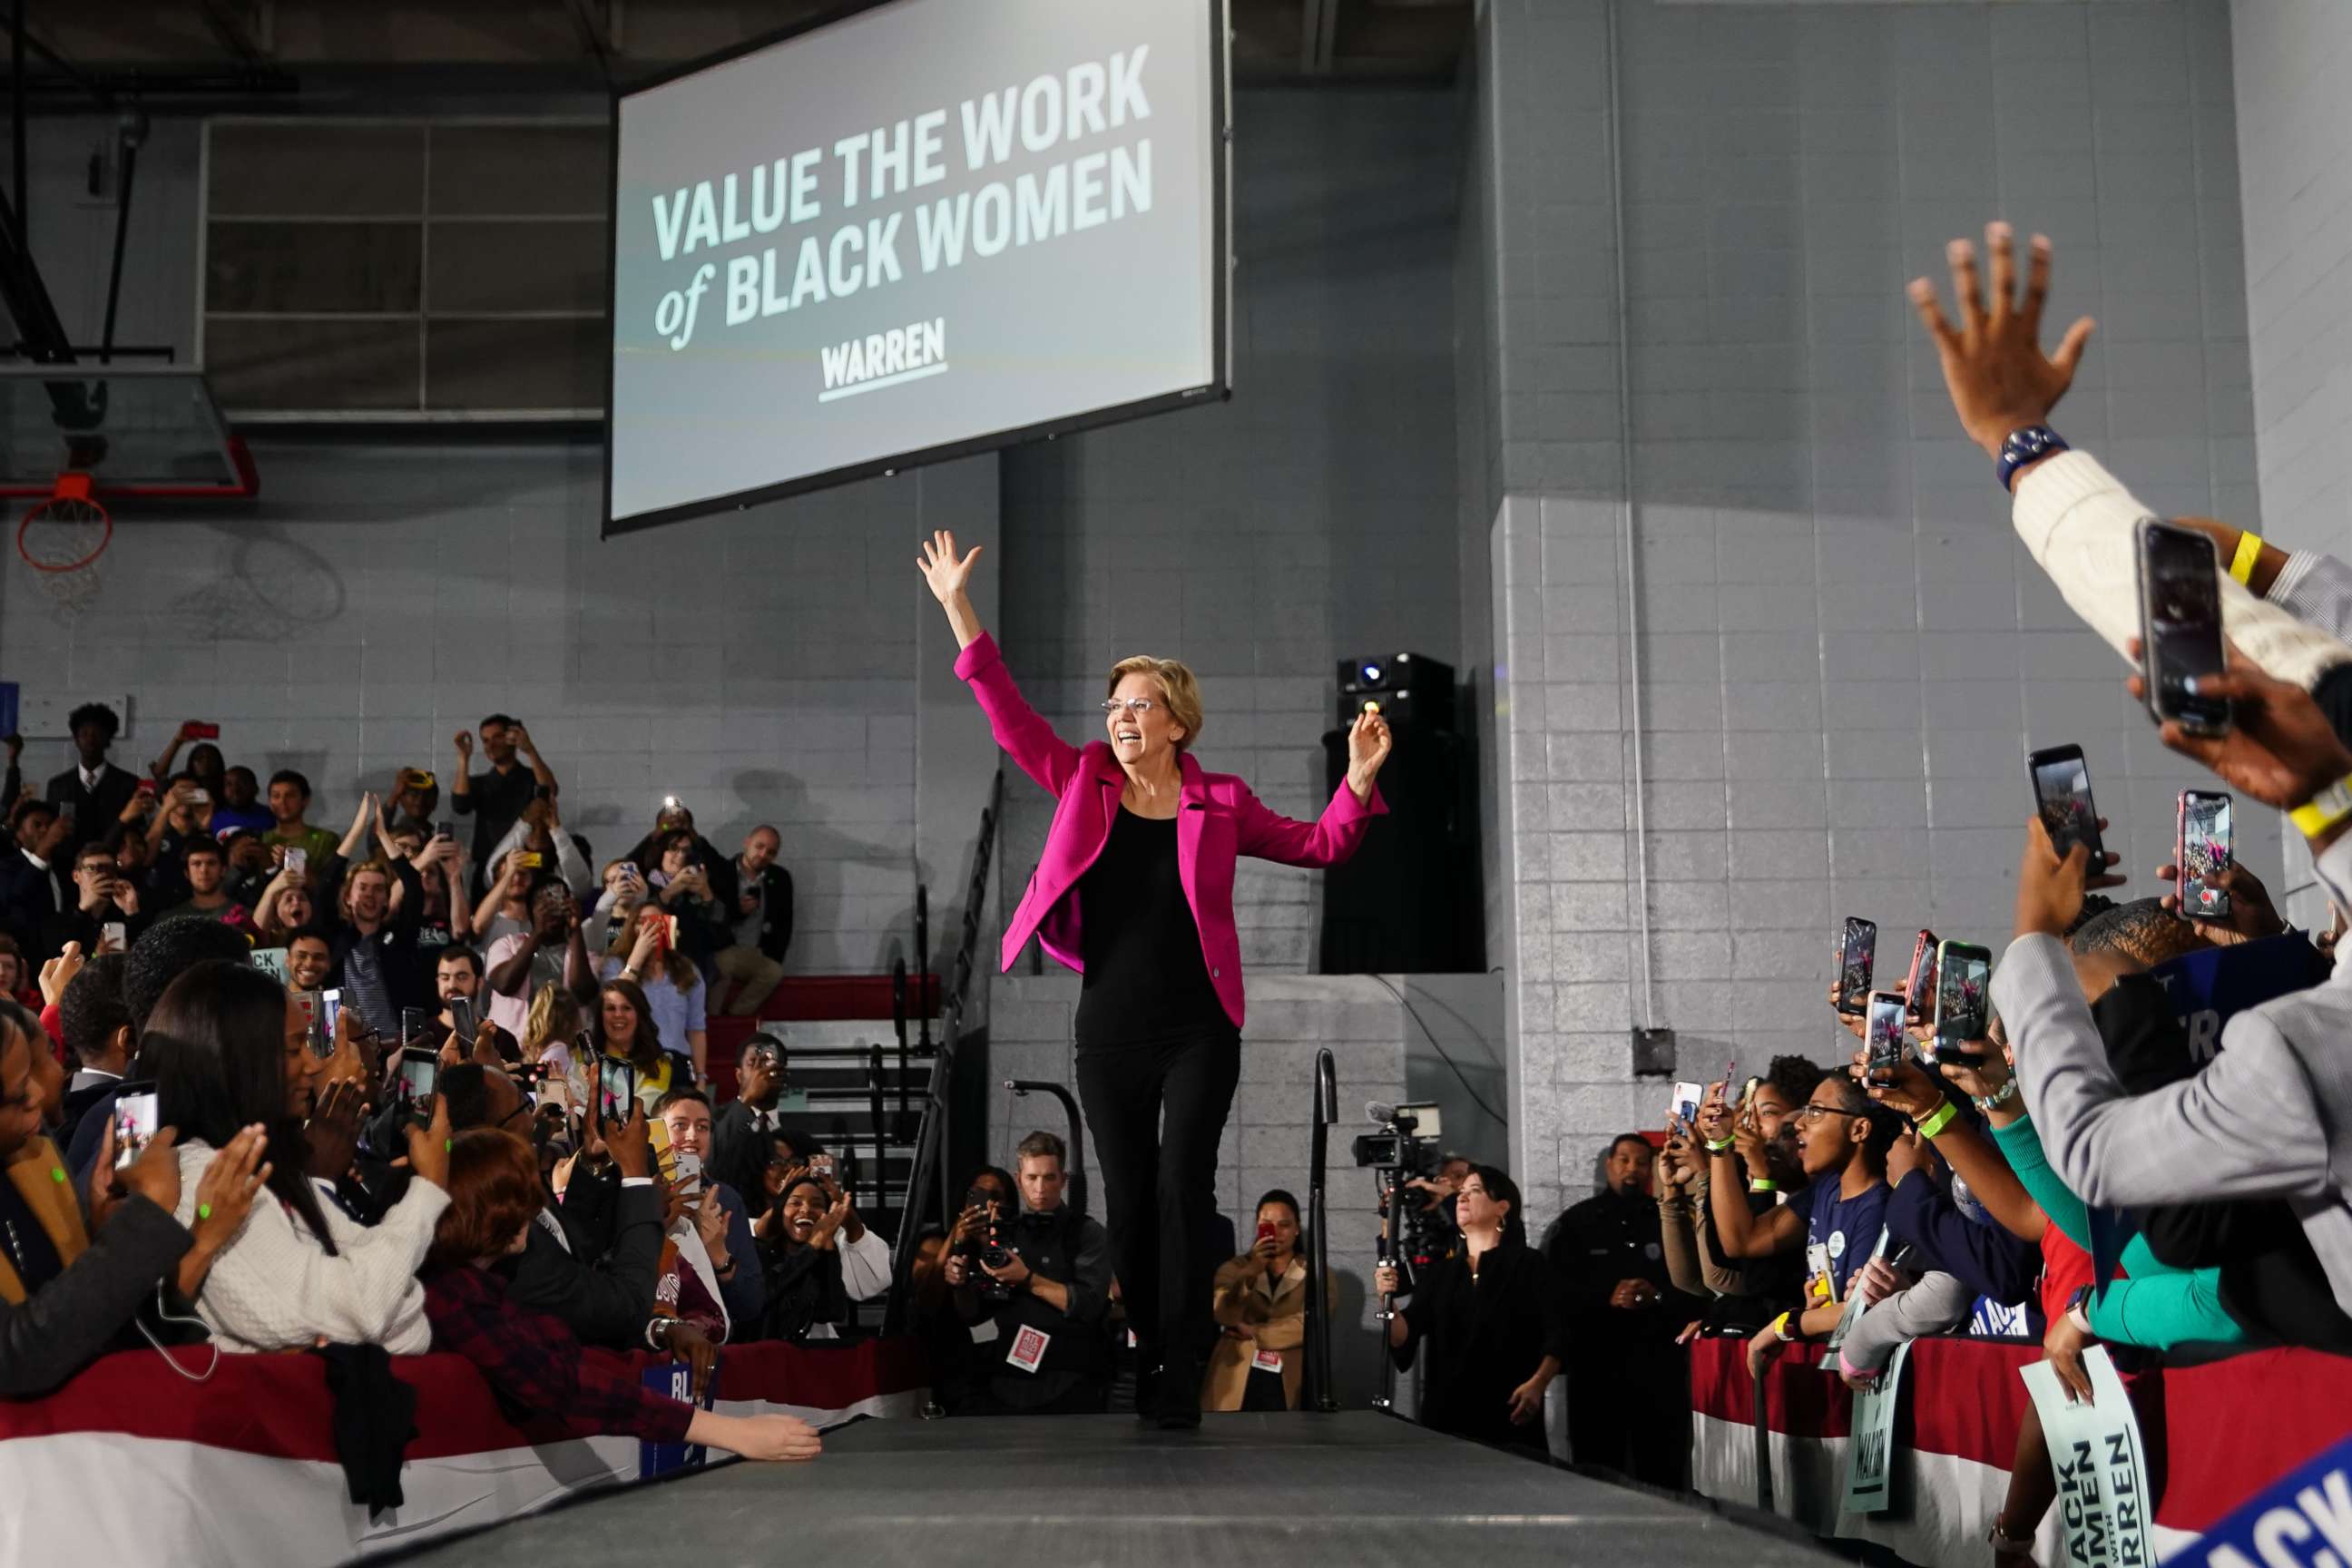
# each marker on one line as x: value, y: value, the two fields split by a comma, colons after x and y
x: 930, y: 1133
x: 1319, y: 1268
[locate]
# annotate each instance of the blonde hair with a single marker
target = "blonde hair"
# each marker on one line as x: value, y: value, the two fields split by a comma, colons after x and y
x: 554, y: 1016
x: 1178, y: 690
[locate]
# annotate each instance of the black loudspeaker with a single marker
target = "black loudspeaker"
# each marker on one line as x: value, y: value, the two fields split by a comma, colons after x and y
x: 1410, y: 689
x: 1408, y: 901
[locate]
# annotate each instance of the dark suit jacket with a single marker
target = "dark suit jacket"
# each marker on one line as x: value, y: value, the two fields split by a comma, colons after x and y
x: 76, y: 1102
x: 95, y: 810
x: 607, y: 1306
x: 28, y: 897
x: 776, y: 914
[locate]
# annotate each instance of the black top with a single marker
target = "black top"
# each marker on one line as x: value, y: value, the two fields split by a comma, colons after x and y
x: 1145, y: 978
x: 1608, y: 1238
x: 1486, y: 1333
x: 494, y: 800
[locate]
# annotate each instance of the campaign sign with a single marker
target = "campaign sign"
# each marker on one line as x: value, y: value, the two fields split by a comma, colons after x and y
x: 1870, y: 1451
x: 674, y: 1380
x: 2209, y: 987
x: 2095, y: 1453
x: 2307, y: 1510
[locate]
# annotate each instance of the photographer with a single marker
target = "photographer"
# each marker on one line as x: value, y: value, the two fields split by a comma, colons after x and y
x: 752, y: 1115
x: 1051, y: 1273
x: 956, y: 1349
x: 1493, y: 1319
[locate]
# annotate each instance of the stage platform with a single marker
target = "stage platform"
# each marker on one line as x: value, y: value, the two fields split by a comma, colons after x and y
x: 1281, y: 1490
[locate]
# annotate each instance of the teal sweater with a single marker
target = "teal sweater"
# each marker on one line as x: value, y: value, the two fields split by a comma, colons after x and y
x: 2157, y: 1306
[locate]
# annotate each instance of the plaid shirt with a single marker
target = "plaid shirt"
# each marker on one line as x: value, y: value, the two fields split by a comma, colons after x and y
x: 535, y: 1366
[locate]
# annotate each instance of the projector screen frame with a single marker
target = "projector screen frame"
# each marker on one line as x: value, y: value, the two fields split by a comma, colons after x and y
x: 1219, y: 388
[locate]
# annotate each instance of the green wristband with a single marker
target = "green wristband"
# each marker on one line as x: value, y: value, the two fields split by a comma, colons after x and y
x: 1713, y: 1147
x: 1941, y: 1119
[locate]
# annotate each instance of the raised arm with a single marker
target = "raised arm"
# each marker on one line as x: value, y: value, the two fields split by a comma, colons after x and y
x: 947, y: 576
x: 540, y: 771
x: 1027, y: 739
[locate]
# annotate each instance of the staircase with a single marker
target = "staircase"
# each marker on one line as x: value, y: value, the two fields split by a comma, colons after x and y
x: 844, y: 1067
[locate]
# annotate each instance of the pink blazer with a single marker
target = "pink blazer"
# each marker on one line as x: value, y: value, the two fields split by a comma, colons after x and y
x: 1218, y: 819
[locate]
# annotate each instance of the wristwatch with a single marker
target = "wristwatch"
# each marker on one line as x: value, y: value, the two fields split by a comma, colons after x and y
x: 2078, y: 1310
x: 2026, y: 445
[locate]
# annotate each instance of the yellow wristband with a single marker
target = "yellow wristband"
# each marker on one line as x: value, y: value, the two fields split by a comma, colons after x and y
x: 1781, y: 1329
x: 2249, y: 550
x: 1939, y: 1120
x: 2324, y: 810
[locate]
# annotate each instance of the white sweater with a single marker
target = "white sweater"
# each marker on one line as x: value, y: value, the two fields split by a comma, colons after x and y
x: 274, y: 1287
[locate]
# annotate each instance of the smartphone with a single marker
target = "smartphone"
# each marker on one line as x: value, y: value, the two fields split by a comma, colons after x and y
x: 1883, y: 1035
x: 444, y: 830
x: 146, y: 790
x: 134, y: 1121
x: 1857, y: 946
x: 1682, y: 1104
x: 330, y: 1013
x: 2062, y: 794
x: 616, y: 1089
x: 669, y: 803
x: 196, y: 732
x: 1265, y: 1230
x: 820, y: 1165
x: 1920, y: 993
x: 686, y: 1172
x: 1963, y: 980
x: 419, y: 1080
x: 2201, y: 849
x: 113, y: 936
x: 309, y: 1002
x: 298, y: 860
x: 532, y: 859
x: 65, y: 810
x: 461, y: 1020
x: 200, y: 797
x: 2179, y: 625
x: 416, y: 1028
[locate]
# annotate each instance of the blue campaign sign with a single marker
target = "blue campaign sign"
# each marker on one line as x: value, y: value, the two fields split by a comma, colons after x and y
x: 2210, y: 987
x: 673, y: 1380
x: 2296, y: 1519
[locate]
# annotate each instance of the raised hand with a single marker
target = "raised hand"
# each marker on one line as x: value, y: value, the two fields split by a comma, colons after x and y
x: 947, y: 574
x: 2050, y: 890
x: 58, y: 973
x: 2279, y: 749
x: 1994, y: 368
x: 465, y: 746
x: 1368, y: 742
x: 2251, y: 916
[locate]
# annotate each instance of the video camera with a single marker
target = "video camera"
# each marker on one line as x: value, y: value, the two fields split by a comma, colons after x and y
x: 1401, y: 1144
x: 987, y: 1249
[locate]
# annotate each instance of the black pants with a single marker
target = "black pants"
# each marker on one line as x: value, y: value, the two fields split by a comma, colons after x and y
x: 1158, y: 1176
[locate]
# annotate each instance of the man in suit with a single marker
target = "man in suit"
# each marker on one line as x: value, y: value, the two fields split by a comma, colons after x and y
x: 32, y: 893
x: 2270, y: 1115
x: 761, y: 910
x: 753, y: 1113
x: 96, y: 1021
x: 602, y: 1289
x: 94, y: 792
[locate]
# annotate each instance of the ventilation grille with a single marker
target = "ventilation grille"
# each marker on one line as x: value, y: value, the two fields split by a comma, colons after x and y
x: 405, y: 271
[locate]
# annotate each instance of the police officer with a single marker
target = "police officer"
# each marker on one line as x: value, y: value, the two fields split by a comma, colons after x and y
x: 1052, y: 1352
x: 1628, y: 1384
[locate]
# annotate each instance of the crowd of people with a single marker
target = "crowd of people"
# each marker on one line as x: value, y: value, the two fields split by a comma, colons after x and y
x: 212, y: 1125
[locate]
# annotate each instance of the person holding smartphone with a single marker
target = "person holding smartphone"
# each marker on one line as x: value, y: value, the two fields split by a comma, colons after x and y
x: 1261, y: 1306
x: 69, y: 1285
x: 229, y: 1049
x: 100, y: 898
x: 1145, y: 843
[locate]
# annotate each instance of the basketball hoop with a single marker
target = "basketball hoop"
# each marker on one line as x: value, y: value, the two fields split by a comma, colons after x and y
x: 62, y: 538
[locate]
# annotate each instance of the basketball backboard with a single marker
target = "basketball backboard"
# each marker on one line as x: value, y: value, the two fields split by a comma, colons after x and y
x: 136, y: 430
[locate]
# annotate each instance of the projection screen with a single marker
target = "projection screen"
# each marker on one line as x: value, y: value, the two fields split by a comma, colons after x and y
x: 926, y: 229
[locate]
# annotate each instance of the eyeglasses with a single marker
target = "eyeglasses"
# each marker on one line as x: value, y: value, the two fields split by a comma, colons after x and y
x: 1138, y: 706
x: 1809, y: 1112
